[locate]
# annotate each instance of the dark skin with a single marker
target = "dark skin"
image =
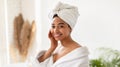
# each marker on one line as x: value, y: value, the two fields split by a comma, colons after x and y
x: 60, y: 31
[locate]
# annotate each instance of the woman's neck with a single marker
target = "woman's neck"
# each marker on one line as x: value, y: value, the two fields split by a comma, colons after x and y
x: 67, y: 42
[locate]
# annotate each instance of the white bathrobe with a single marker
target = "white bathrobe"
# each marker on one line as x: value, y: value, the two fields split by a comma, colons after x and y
x: 76, y: 58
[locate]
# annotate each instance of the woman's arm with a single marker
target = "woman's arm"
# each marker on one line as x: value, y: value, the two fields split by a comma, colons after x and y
x: 48, y: 53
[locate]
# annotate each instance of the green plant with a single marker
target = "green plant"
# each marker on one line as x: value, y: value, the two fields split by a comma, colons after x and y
x: 96, y: 63
x: 107, y: 58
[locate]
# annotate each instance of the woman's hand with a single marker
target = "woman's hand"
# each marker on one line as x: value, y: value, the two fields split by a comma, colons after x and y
x: 54, y: 43
x: 48, y: 53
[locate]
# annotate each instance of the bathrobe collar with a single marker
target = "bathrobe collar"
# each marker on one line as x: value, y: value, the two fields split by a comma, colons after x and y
x: 75, y: 54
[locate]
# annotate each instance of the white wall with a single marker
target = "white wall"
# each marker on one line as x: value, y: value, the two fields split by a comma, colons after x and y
x: 28, y: 9
x: 3, y: 54
x: 98, y: 24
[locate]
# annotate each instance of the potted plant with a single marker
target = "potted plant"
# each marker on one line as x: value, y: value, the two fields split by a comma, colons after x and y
x: 107, y: 57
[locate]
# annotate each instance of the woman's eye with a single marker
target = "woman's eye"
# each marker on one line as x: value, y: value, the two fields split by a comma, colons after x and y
x: 53, y: 26
x: 61, y: 26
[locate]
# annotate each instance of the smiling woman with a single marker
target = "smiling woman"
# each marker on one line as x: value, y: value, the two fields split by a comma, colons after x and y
x: 98, y: 26
x: 68, y: 52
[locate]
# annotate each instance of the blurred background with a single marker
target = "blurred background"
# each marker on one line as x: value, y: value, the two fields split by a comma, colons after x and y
x: 98, y: 24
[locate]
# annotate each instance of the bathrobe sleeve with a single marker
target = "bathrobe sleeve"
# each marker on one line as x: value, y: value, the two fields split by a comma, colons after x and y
x: 36, y: 63
x: 46, y: 63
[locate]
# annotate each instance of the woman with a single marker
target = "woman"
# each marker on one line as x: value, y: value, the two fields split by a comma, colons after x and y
x: 67, y: 53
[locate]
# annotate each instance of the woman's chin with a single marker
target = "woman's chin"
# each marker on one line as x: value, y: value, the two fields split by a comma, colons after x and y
x: 58, y: 39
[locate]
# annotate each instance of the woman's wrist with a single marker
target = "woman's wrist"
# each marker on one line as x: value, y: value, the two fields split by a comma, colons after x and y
x: 46, y: 55
x: 51, y: 49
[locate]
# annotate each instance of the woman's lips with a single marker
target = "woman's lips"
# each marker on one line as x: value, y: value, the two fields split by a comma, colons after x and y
x: 57, y: 35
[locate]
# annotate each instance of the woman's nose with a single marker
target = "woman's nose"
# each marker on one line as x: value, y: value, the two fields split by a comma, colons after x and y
x: 56, y: 29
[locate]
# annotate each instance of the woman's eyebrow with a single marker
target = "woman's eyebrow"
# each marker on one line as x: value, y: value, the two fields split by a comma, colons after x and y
x: 52, y: 24
x: 59, y: 23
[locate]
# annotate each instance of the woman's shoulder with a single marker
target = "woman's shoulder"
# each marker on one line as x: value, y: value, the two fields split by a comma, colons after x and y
x: 82, y: 50
x: 81, y: 47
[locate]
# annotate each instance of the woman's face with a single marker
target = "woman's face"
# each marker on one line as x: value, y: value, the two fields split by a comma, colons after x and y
x: 59, y: 29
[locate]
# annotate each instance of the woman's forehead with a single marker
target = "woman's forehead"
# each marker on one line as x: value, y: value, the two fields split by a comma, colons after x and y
x: 57, y: 21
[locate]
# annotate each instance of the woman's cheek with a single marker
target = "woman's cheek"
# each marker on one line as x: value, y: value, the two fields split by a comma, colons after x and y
x: 52, y: 31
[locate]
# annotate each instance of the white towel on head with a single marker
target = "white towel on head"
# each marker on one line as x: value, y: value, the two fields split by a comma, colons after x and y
x: 66, y: 12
